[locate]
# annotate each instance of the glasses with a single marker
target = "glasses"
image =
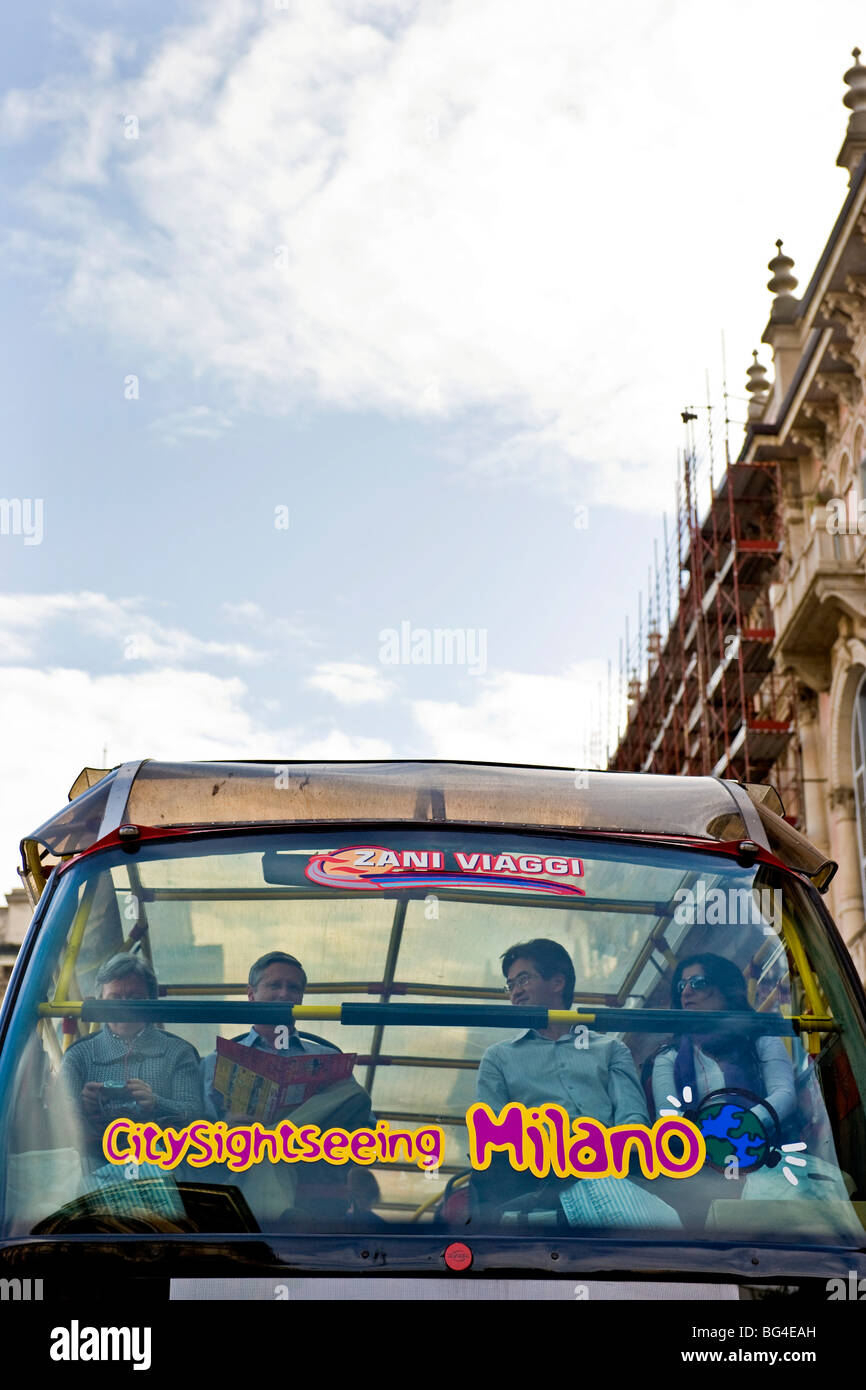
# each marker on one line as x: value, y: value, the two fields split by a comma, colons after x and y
x: 520, y: 980
x: 698, y: 983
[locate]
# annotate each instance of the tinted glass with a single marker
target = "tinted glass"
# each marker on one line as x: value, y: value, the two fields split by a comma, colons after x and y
x: 401, y: 937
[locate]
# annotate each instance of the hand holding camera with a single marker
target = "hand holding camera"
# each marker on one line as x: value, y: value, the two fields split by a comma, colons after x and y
x: 114, y: 1099
x: 141, y: 1095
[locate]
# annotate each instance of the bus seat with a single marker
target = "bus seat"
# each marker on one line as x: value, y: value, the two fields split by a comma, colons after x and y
x: 806, y: 1217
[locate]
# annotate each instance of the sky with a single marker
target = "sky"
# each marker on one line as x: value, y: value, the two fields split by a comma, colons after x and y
x: 334, y: 325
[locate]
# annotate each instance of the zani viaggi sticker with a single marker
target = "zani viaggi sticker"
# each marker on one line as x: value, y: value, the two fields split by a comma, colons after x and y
x: 375, y: 867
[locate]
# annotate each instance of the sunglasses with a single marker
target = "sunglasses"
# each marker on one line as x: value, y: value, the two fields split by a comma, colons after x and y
x: 698, y: 983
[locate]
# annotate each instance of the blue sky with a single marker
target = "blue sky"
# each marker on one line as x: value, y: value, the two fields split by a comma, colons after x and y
x: 423, y: 275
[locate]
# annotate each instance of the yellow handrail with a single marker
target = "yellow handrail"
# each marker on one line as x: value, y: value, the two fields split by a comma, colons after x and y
x: 70, y: 958
x: 437, y: 1196
x: 34, y: 866
x: 814, y: 996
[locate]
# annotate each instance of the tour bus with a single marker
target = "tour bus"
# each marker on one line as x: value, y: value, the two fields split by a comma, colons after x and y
x: 429, y: 1029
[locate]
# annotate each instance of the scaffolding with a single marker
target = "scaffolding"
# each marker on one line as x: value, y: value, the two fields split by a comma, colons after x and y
x: 704, y: 696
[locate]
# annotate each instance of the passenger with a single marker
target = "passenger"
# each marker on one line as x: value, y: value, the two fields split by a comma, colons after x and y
x: 364, y: 1193
x: 129, y: 1069
x: 587, y: 1073
x: 710, y: 1062
x: 275, y: 978
x: 279, y: 1193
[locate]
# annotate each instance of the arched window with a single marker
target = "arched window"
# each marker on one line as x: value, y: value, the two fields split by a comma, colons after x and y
x: 858, y: 759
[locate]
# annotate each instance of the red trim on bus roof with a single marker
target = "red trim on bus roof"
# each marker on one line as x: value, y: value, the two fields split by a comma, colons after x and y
x: 730, y: 849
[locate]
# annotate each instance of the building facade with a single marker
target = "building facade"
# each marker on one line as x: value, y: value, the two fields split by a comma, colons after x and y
x: 14, y: 921
x: 761, y: 674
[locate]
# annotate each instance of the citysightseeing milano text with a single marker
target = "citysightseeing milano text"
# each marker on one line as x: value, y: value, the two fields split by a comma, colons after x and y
x: 540, y: 1140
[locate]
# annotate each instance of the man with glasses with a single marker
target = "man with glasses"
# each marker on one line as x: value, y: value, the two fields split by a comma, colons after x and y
x: 275, y: 978
x: 587, y: 1073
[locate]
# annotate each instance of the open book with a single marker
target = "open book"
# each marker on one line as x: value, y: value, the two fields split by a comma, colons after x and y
x: 260, y: 1084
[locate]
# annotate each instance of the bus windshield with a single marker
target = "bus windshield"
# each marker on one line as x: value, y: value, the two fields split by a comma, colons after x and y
x: 392, y: 1029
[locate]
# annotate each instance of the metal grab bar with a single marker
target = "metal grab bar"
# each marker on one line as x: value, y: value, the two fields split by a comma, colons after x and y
x: 674, y: 1021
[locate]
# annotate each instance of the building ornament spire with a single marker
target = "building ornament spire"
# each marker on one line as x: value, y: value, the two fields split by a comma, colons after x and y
x: 855, y: 99
x: 782, y: 284
x: 758, y: 387
x: 854, y: 144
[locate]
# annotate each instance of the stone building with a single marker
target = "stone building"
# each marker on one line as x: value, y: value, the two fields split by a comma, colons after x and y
x: 762, y: 672
x: 812, y: 420
x: 14, y: 921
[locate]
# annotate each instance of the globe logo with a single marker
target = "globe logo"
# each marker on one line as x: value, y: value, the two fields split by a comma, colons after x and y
x: 732, y: 1132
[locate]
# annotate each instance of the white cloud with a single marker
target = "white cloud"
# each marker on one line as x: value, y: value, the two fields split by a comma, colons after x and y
x: 276, y: 632
x: 430, y: 208
x: 244, y: 611
x: 336, y: 744
x: 26, y: 618
x: 54, y: 722
x: 350, y: 682
x: 554, y: 720
x: 195, y: 422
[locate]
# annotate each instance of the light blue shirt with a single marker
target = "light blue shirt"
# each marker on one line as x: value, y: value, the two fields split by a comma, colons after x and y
x: 214, y: 1100
x: 597, y: 1079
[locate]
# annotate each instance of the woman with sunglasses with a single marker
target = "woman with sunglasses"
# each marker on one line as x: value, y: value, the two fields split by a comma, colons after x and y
x: 709, y: 1062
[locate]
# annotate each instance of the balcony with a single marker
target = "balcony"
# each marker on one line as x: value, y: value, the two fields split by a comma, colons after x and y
x: 825, y: 578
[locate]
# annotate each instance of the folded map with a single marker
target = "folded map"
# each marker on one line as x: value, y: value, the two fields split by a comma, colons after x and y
x: 260, y: 1084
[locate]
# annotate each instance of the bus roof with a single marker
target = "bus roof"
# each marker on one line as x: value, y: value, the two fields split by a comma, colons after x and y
x: 149, y: 793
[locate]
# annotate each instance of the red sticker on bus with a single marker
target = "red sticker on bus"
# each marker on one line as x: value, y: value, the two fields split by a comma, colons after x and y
x: 458, y: 1256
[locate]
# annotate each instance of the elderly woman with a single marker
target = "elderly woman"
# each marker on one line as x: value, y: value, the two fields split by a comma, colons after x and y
x: 709, y: 1062
x: 129, y: 1068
